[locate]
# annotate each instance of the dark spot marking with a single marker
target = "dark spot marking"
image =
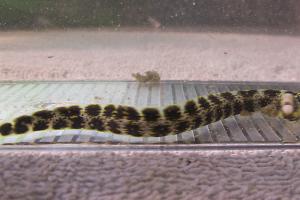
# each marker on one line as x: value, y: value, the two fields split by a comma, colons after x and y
x: 249, y: 105
x: 190, y: 108
x: 59, y: 124
x: 182, y: 126
x: 237, y: 107
x: 133, y: 129
x: 151, y: 114
x: 214, y: 99
x: 218, y: 113
x: 20, y: 128
x: 247, y: 93
x: 74, y: 110
x: 227, y: 110
x: 208, y: 118
x: 62, y: 111
x: 291, y: 92
x: 93, y: 110
x: 109, y: 110
x: 68, y: 111
x: 24, y: 120
x: 21, y: 124
x: 264, y: 101
x: 120, y: 112
x: 252, y: 92
x: 44, y: 114
x: 203, y: 103
x: 290, y: 117
x: 161, y: 130
x: 97, y: 123
x: 172, y: 112
x: 272, y: 93
x: 40, y: 125
x: 113, y: 126
x: 77, y: 122
x: 6, y: 129
x: 133, y: 114
x: 197, y: 122
x: 228, y: 96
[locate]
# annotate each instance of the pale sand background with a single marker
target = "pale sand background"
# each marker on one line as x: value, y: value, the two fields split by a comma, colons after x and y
x: 114, y: 55
x: 221, y: 174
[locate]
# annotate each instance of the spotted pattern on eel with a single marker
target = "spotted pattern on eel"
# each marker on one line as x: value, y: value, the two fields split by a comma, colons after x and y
x: 158, y: 122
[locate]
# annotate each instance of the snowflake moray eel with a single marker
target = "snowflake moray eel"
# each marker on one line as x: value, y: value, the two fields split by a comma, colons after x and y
x: 156, y: 121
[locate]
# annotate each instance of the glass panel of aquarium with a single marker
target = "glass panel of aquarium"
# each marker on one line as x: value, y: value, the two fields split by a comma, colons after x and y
x: 136, y: 72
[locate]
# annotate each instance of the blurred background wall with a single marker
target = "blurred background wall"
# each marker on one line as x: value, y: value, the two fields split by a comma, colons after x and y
x: 98, y: 13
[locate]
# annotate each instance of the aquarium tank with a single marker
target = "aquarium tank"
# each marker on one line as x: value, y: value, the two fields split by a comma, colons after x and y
x: 206, y: 87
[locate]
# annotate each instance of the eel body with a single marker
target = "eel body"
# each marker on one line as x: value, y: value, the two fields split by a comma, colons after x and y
x: 155, y: 121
